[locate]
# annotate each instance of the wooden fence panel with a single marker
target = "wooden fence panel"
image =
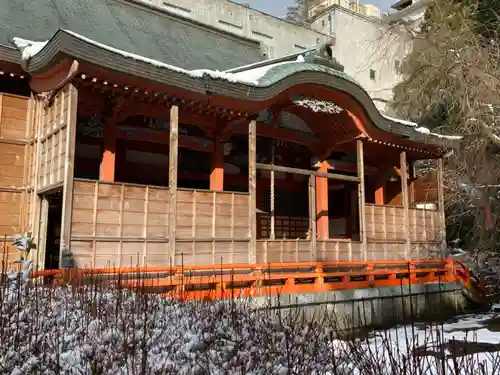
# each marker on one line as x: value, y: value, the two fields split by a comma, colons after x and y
x: 212, y: 227
x: 14, y: 161
x: 119, y: 224
x: 386, y: 236
x: 125, y: 224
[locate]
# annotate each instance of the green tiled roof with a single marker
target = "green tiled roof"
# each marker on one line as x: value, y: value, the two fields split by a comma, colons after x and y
x: 138, y: 29
x: 279, y: 72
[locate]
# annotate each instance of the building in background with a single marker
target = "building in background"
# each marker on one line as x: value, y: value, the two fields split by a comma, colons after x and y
x: 276, y: 36
x: 411, y: 12
x: 368, y: 55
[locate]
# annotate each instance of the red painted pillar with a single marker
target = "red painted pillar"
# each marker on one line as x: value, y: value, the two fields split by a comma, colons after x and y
x: 217, y: 173
x: 322, y: 204
x: 108, y: 161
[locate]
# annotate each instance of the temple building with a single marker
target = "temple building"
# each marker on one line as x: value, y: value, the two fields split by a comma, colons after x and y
x: 133, y: 138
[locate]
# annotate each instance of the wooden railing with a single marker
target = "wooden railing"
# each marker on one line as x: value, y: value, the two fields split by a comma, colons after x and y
x: 243, y: 280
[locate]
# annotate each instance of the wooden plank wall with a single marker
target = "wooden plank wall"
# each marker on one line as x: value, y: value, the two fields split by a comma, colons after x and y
x: 127, y: 225
x: 386, y: 236
x: 14, y: 160
x: 212, y: 227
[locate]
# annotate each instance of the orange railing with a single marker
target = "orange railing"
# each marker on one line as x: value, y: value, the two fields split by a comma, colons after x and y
x: 243, y: 280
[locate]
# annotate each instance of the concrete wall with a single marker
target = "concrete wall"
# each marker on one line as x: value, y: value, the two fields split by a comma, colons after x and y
x: 278, y: 37
x: 377, y: 307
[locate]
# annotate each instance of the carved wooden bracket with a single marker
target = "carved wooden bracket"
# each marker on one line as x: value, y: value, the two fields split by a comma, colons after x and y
x: 48, y: 84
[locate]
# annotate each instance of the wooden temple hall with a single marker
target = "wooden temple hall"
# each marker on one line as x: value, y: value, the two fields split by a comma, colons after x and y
x: 111, y: 157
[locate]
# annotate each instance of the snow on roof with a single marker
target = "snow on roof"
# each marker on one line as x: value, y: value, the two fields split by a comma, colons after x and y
x: 423, y: 130
x: 404, y: 122
x: 28, y: 48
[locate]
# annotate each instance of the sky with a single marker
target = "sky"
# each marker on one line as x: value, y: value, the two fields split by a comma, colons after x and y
x: 278, y: 7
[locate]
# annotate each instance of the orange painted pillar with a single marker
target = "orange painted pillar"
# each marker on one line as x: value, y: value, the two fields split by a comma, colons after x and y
x: 322, y: 204
x: 107, y: 169
x: 379, y: 195
x: 217, y: 173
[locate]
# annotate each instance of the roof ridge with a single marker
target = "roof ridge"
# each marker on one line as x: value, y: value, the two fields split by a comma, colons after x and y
x: 260, y: 64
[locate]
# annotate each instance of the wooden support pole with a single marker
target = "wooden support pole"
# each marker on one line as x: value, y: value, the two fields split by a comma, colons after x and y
x: 322, y: 225
x: 217, y: 172
x: 108, y: 162
x: 252, y: 190
x: 312, y: 217
x: 172, y: 181
x: 272, y: 235
x: 361, y: 197
x: 442, y: 218
x: 69, y: 167
x: 406, y: 201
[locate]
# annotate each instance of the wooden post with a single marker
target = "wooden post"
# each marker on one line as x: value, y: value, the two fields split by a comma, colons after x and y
x: 69, y: 167
x: 442, y: 218
x: 272, y: 235
x: 361, y: 197
x: 217, y: 173
x: 172, y: 181
x: 252, y: 190
x: 107, y: 170
x: 406, y: 200
x: 312, y: 217
x: 322, y: 204
x: 36, y: 200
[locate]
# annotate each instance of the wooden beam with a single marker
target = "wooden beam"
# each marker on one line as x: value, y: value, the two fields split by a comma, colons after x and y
x: 322, y: 225
x: 440, y: 187
x: 322, y: 172
x: 217, y: 172
x: 172, y: 181
x: 252, y: 190
x: 361, y: 197
x: 405, y: 201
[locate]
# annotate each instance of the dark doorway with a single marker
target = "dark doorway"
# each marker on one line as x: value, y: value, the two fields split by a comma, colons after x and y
x: 53, y: 231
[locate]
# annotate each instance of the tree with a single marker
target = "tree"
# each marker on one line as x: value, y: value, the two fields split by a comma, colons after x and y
x: 298, y: 12
x: 451, y: 83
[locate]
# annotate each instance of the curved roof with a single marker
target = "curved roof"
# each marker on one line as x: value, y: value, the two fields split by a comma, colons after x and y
x: 257, y: 85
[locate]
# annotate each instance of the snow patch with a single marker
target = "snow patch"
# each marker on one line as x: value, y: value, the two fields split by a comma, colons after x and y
x: 404, y: 122
x: 253, y: 75
x: 28, y: 48
x: 423, y: 130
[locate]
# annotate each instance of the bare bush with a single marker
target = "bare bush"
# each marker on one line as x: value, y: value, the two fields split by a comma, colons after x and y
x: 98, y: 329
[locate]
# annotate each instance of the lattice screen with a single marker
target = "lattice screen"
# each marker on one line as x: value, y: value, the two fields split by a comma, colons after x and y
x: 291, y: 214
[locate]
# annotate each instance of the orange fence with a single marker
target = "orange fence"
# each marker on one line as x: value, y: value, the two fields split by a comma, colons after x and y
x: 243, y: 280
